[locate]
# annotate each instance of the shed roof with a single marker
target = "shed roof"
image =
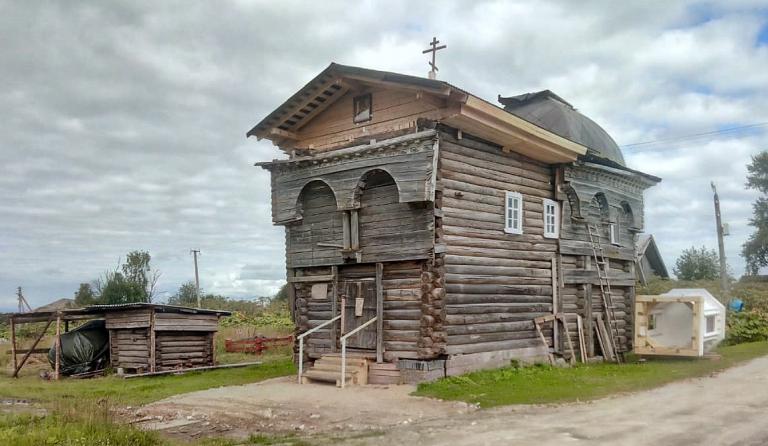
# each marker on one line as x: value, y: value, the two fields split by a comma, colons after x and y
x: 93, y: 311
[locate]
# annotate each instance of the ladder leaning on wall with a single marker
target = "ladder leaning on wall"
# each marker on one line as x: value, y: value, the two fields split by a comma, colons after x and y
x: 605, y: 290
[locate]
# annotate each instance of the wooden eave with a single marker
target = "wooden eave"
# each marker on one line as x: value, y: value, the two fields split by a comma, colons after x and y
x: 514, y: 134
x: 463, y: 111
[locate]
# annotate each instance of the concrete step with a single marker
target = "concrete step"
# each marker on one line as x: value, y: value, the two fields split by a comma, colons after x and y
x: 329, y: 377
x: 334, y: 367
x: 351, y: 362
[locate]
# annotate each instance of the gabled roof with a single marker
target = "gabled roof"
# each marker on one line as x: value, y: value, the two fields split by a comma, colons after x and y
x: 464, y: 111
x: 646, y: 247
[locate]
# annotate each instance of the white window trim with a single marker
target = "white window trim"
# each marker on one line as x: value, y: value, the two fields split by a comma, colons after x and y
x: 511, y: 229
x: 556, y: 233
x: 613, y: 233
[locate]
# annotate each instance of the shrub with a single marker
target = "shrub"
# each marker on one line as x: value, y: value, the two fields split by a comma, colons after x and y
x: 747, y: 326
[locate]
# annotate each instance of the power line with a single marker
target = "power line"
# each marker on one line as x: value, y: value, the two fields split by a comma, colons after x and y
x: 697, y: 135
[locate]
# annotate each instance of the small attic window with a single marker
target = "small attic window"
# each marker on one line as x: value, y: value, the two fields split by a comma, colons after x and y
x: 363, y: 108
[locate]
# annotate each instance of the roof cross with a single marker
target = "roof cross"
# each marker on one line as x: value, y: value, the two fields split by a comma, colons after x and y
x: 433, y: 50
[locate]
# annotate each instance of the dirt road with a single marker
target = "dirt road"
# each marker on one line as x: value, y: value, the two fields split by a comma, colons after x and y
x: 728, y: 409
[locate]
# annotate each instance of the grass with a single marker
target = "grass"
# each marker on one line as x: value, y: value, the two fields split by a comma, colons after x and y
x: 141, y: 390
x: 546, y: 384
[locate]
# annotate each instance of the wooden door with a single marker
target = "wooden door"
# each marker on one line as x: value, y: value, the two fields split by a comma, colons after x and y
x: 359, y: 308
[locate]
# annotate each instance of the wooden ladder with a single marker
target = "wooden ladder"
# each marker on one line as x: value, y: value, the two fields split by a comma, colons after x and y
x: 605, y: 291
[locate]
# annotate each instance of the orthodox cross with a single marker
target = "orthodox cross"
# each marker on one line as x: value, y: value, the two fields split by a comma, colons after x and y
x: 433, y: 50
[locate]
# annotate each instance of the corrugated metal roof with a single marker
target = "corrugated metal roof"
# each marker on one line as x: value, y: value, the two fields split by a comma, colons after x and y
x: 160, y: 307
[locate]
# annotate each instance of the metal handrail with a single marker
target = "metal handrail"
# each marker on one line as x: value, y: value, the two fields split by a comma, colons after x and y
x: 301, y: 337
x: 344, y: 349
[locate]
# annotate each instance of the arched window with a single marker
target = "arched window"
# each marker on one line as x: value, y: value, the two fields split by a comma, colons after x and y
x: 318, y: 236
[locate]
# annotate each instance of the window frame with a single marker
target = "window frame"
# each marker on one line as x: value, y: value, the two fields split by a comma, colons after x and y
x: 613, y: 234
x: 555, y: 233
x: 707, y: 318
x: 355, y: 111
x: 507, y: 218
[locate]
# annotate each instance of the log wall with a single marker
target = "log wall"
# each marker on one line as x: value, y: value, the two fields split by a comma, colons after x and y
x: 495, y: 282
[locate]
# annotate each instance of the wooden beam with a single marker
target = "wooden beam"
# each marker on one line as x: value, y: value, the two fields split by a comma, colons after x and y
x: 152, y: 343
x: 302, y: 279
x: 57, y: 347
x: 284, y: 134
x: 13, y: 342
x: 379, y: 313
x: 193, y: 369
x: 34, y: 345
x: 555, y: 308
x: 334, y: 305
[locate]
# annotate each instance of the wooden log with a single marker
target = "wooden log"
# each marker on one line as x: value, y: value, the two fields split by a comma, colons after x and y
x: 57, y: 347
x: 492, y: 346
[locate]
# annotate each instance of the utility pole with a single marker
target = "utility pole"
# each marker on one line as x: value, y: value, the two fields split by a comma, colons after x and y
x: 720, y: 245
x: 195, y: 252
x: 22, y: 302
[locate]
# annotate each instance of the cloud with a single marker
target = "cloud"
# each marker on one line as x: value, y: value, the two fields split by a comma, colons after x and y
x: 123, y: 124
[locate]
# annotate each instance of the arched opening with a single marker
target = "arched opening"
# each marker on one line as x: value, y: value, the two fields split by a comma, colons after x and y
x: 600, y: 205
x: 626, y: 222
x: 316, y: 237
x: 387, y: 227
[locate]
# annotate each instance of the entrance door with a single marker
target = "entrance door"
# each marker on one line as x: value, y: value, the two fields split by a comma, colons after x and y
x: 359, y: 308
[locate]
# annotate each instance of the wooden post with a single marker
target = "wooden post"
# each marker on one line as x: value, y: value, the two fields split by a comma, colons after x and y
x: 555, y: 308
x: 57, y: 347
x: 345, y: 230
x: 379, y: 313
x: 34, y: 345
x: 354, y: 227
x: 66, y: 326
x: 334, y: 305
x: 213, y: 348
x: 152, y: 343
x: 588, y: 320
x: 13, y: 343
x: 291, y: 273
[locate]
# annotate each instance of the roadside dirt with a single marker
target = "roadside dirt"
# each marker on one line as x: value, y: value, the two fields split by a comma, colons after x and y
x: 282, y: 406
x: 726, y: 409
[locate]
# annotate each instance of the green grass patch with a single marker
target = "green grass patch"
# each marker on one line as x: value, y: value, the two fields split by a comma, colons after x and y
x: 137, y: 391
x: 546, y: 384
x: 58, y: 430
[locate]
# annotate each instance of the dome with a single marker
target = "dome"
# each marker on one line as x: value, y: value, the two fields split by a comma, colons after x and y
x: 551, y: 112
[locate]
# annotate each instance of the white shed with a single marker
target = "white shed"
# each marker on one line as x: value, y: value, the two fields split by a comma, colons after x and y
x: 682, y: 322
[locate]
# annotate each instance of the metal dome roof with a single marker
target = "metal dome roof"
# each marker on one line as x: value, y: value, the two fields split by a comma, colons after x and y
x: 553, y: 113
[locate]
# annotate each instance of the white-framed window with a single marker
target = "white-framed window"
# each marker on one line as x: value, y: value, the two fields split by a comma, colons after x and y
x: 513, y: 221
x: 711, y: 325
x: 613, y: 232
x: 551, y: 218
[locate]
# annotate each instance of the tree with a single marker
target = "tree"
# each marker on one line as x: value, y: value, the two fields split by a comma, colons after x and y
x: 697, y: 264
x: 186, y: 296
x: 85, y: 295
x: 137, y: 270
x: 755, y: 250
x: 119, y: 290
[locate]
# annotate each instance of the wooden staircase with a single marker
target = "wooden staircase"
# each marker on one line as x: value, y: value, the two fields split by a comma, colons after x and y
x: 327, y: 369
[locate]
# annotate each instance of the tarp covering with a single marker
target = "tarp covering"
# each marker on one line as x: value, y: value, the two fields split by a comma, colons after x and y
x: 83, y: 349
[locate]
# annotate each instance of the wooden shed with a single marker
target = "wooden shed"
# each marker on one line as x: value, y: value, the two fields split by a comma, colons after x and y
x: 151, y: 337
x: 427, y: 228
x: 143, y: 337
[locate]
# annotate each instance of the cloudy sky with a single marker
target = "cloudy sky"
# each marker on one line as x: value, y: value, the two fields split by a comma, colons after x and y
x: 122, y: 124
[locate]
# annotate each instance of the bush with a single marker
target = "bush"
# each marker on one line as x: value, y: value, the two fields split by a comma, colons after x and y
x: 747, y: 326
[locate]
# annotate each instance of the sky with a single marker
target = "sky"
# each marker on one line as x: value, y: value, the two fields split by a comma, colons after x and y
x: 122, y: 124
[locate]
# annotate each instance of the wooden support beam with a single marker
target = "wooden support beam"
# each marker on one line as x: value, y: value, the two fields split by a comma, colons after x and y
x: 152, y: 343
x: 354, y: 226
x: 13, y: 342
x: 334, y: 306
x: 379, y: 313
x: 555, y: 308
x: 301, y: 279
x: 34, y: 345
x: 57, y: 347
x: 544, y: 341
x: 279, y: 133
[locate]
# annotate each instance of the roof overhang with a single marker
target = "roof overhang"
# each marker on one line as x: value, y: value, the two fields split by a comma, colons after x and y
x: 514, y: 134
x: 463, y: 111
